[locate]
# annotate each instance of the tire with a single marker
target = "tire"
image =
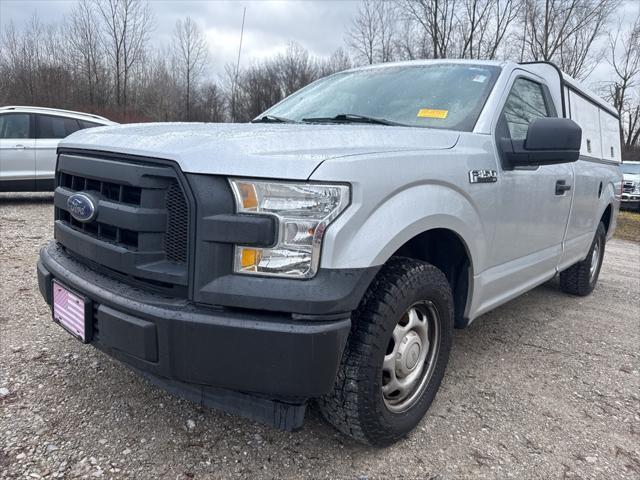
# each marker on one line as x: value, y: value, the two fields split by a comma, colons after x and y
x: 580, y: 279
x: 405, y: 292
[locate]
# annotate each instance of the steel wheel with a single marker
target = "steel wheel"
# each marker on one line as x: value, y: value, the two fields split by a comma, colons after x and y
x: 411, y: 356
x: 385, y: 385
x: 595, y: 260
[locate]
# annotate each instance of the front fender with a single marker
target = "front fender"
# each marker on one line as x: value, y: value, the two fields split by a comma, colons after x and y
x: 366, y: 236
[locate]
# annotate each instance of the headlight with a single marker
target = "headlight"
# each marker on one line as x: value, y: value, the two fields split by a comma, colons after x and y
x: 303, y: 211
x: 636, y: 189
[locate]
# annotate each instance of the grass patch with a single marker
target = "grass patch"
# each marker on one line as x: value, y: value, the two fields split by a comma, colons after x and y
x: 628, y: 226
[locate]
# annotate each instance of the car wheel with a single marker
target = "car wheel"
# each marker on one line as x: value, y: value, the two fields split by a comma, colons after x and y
x: 581, y: 278
x: 396, y: 354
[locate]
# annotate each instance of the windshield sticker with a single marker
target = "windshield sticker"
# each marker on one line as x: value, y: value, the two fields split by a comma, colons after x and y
x: 479, y: 78
x: 432, y: 113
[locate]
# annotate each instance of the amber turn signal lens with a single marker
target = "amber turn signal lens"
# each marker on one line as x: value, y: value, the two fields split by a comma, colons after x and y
x: 250, y: 258
x: 248, y: 195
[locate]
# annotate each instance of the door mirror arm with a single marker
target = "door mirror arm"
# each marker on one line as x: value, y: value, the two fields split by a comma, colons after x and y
x: 514, y: 152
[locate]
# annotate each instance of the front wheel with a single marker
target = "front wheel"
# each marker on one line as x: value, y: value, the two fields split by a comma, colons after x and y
x: 581, y: 278
x: 396, y: 354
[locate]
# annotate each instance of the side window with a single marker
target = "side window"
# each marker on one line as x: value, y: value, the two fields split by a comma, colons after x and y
x: 50, y: 126
x: 71, y: 125
x: 525, y: 102
x: 15, y: 125
x: 84, y: 124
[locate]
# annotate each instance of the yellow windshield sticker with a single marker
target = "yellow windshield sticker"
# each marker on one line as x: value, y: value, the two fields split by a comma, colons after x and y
x: 431, y: 113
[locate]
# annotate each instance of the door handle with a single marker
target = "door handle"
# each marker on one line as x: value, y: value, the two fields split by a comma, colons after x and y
x: 562, y: 187
x: 21, y: 147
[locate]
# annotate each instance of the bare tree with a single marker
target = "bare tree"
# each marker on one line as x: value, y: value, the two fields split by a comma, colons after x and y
x: 212, y: 103
x: 54, y: 74
x: 11, y: 65
x: 127, y: 24
x: 387, y: 17
x: 565, y: 31
x: 371, y: 34
x: 438, y: 21
x: 473, y: 25
x: 412, y: 41
x: 484, y: 25
x: 363, y: 34
x: 624, y: 90
x: 257, y: 89
x: 265, y: 83
x: 23, y: 58
x: 294, y: 69
x: 159, y: 90
x: 190, y: 52
x: 33, y: 62
x: 337, y: 62
x: 505, y: 13
x: 456, y: 28
x: 84, y: 42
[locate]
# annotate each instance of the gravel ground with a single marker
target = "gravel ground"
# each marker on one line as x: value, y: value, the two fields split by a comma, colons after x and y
x: 547, y: 386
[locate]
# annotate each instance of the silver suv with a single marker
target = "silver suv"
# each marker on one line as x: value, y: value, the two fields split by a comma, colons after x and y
x: 327, y: 250
x: 29, y: 138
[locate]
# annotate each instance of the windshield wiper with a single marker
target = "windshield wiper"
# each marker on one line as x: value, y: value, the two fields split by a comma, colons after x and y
x: 353, y: 118
x: 272, y: 119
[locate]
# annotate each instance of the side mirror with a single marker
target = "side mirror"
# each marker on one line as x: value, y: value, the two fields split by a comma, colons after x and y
x: 549, y: 141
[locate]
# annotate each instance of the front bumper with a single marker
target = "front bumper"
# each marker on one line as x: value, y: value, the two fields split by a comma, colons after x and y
x: 264, y: 353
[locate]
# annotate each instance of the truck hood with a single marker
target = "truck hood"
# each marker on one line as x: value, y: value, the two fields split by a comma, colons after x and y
x: 290, y: 151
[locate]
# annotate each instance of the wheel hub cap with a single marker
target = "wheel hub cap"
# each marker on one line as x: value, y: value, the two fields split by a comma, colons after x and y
x: 408, y: 353
x: 410, y: 359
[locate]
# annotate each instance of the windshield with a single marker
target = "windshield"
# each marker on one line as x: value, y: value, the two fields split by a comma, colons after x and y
x: 441, y: 95
x: 631, y: 168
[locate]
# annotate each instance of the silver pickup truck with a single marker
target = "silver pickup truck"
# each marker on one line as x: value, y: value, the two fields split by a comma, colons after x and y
x: 327, y: 250
x: 631, y: 185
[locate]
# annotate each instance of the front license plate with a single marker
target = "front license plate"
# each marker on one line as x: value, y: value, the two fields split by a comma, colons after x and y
x: 70, y: 311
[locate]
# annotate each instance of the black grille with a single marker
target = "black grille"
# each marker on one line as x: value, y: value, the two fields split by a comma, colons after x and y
x: 627, y: 187
x: 176, y: 239
x: 102, y: 231
x: 142, y: 224
x: 110, y: 190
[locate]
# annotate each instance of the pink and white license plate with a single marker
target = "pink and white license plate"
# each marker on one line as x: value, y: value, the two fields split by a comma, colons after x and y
x: 68, y: 311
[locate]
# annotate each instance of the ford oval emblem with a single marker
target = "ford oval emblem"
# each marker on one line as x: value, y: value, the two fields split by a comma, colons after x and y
x: 82, y: 207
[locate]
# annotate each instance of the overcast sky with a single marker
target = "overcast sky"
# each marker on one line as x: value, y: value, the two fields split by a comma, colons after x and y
x: 318, y: 25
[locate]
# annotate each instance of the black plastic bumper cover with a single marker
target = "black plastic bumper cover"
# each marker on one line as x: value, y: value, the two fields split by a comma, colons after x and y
x: 262, y: 353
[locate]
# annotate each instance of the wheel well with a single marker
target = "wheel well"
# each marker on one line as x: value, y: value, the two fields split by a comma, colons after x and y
x: 606, y: 218
x: 444, y: 249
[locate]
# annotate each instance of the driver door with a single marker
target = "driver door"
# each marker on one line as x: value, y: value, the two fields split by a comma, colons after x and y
x: 535, y: 202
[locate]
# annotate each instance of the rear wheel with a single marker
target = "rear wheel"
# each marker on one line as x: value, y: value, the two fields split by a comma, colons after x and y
x: 396, y: 354
x: 581, y: 278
